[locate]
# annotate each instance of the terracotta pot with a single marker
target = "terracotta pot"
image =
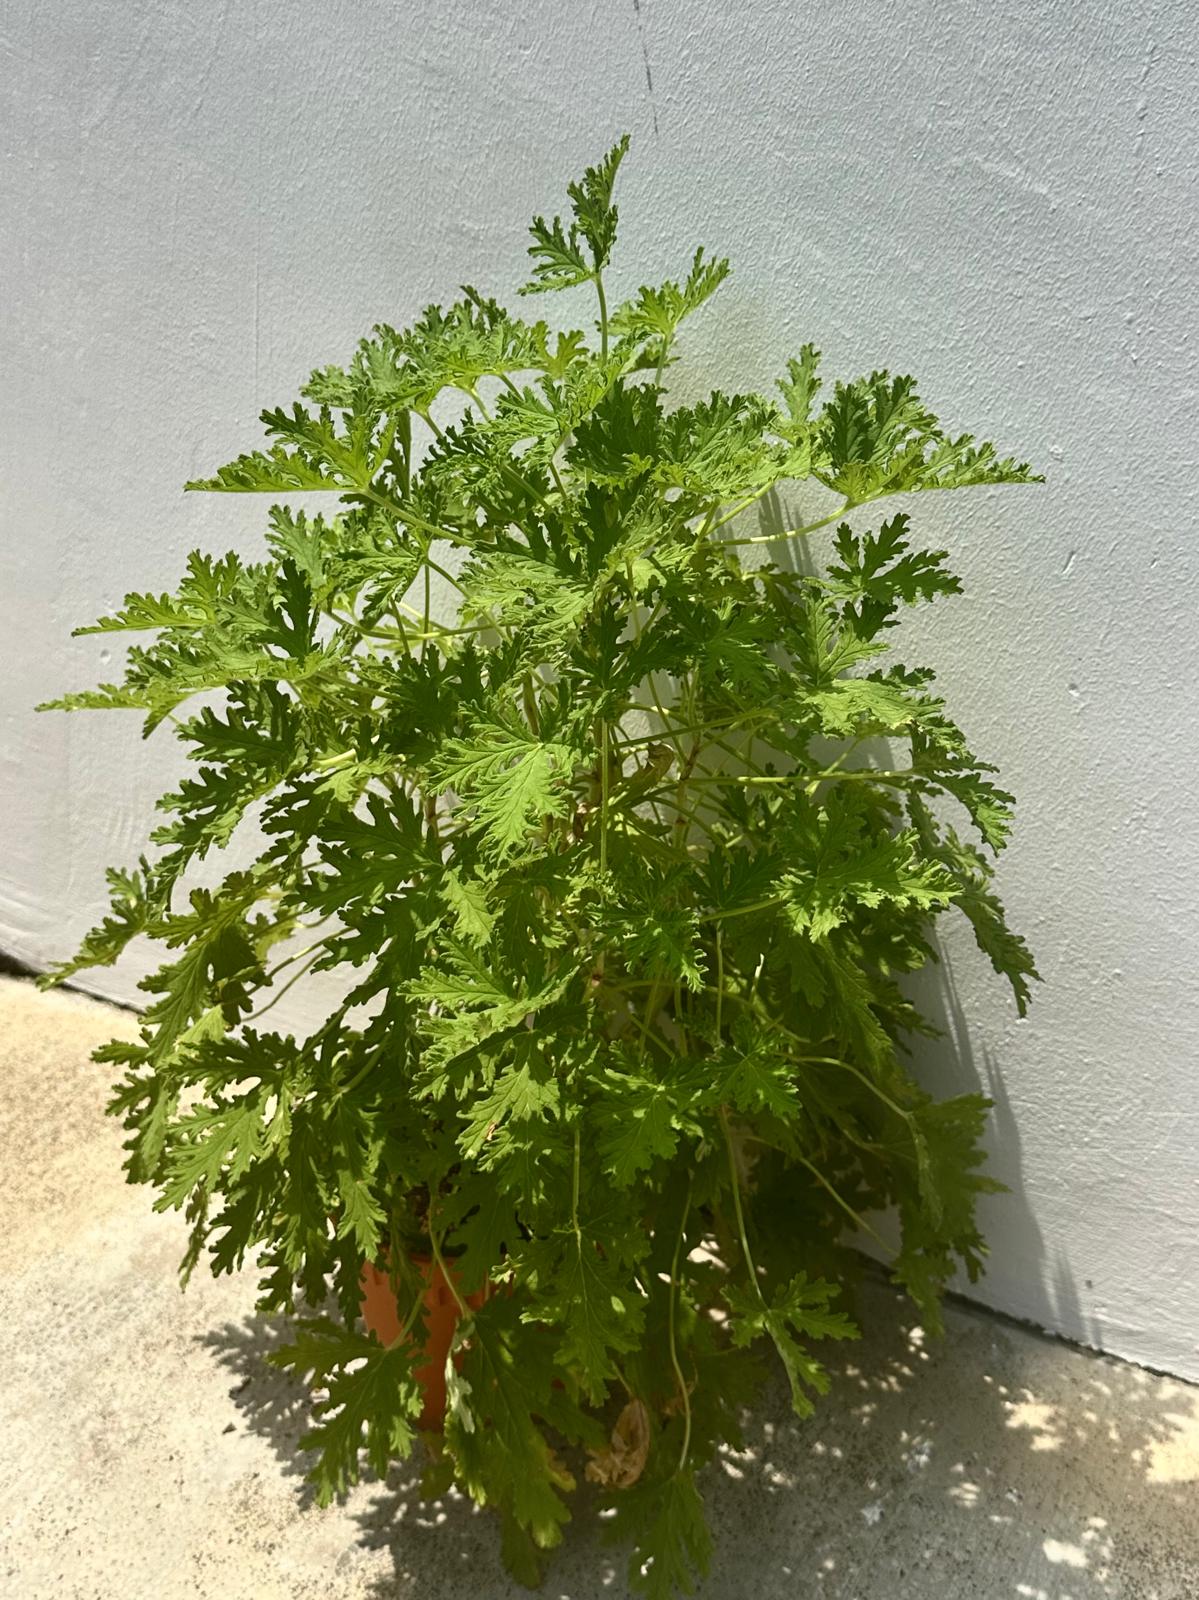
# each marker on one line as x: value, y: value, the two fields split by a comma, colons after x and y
x: 440, y: 1312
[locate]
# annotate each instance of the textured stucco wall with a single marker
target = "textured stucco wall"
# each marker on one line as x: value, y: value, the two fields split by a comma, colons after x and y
x: 202, y: 202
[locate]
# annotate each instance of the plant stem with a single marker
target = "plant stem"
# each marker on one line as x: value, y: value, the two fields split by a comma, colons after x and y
x: 848, y: 1066
x: 676, y: 728
x: 795, y: 533
x: 424, y: 649
x: 651, y: 1010
x: 429, y: 423
x: 442, y: 572
x: 744, y: 911
x: 674, y: 1353
x: 275, y: 999
x: 299, y: 954
x: 403, y: 434
x: 603, y: 855
x: 603, y: 311
x: 574, y: 1186
x: 738, y: 1210
x: 362, y: 1070
x: 409, y: 1321
x: 529, y: 700
x: 859, y: 1221
x: 463, y: 1308
x: 738, y: 509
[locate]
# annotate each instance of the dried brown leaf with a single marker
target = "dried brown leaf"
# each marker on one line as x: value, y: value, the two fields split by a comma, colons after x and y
x: 623, y: 1462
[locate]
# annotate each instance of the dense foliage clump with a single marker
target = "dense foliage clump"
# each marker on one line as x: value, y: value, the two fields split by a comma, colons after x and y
x: 621, y: 894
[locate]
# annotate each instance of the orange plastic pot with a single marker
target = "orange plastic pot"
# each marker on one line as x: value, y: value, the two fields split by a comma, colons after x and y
x: 381, y: 1313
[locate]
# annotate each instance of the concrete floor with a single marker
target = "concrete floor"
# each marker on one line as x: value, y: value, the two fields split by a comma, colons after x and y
x: 145, y: 1451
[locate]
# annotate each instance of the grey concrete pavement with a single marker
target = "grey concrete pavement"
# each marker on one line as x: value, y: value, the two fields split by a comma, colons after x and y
x: 145, y: 1451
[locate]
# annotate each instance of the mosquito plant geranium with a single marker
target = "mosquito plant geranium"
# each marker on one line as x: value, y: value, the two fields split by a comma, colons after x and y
x: 620, y: 902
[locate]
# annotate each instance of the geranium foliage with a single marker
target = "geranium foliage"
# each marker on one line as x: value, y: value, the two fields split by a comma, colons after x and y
x: 620, y: 893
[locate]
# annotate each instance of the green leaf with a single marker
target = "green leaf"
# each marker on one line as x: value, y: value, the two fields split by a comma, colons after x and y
x: 799, y: 389
x: 672, y: 1544
x: 481, y: 1223
x: 473, y: 917
x: 558, y: 259
x: 657, y: 313
x: 218, y: 963
x: 798, y: 1310
x: 754, y: 1075
x: 134, y: 910
x: 875, y: 573
x: 508, y: 778
x: 523, y: 1093
x: 1006, y: 950
x: 210, y: 1144
x: 845, y: 868
x: 638, y: 1121
x: 557, y: 251
x: 877, y: 437
x: 584, y: 1294
x: 319, y: 458
x: 356, y: 1146
x: 467, y: 1002
x: 493, y: 1428
x: 656, y: 930
x: 591, y: 202
x: 371, y: 1404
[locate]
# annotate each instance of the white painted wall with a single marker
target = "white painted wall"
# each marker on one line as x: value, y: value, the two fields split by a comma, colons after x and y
x: 201, y: 202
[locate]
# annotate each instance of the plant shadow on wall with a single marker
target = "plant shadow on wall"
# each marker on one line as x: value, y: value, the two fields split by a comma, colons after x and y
x: 933, y: 1467
x: 622, y: 898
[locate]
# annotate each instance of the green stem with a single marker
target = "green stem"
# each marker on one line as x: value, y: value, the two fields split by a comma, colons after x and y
x: 867, y: 774
x: 560, y: 486
x: 529, y: 700
x: 410, y: 1320
x: 603, y: 311
x: 429, y: 423
x: 738, y: 509
x: 738, y: 755
x: 677, y: 728
x: 463, y: 1308
x: 403, y: 436
x: 363, y: 1070
x: 442, y: 572
x: 738, y: 1209
x: 603, y: 860
x: 328, y: 763
x: 574, y: 1186
x: 854, y: 1217
x: 848, y: 1066
x: 651, y: 1010
x: 674, y: 1353
x: 744, y: 911
x: 275, y: 999
x: 795, y: 533
x: 424, y: 649
x: 749, y: 779
x: 299, y: 955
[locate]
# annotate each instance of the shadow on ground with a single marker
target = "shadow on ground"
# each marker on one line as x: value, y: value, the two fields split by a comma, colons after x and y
x: 994, y: 1463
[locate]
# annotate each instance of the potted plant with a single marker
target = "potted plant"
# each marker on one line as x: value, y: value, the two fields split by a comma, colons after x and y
x: 619, y: 892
